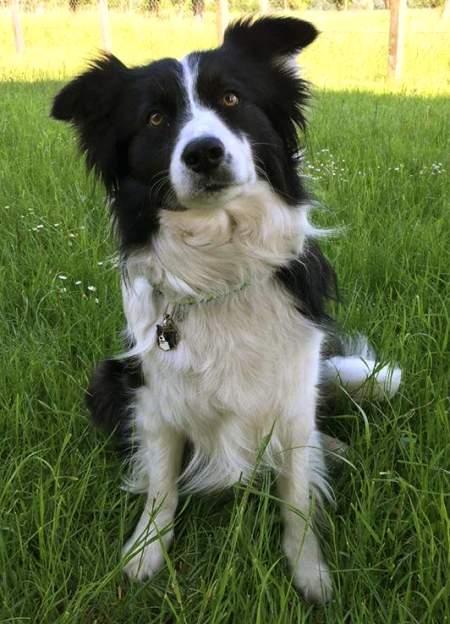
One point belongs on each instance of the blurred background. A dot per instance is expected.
(54, 38)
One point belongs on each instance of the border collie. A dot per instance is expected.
(224, 285)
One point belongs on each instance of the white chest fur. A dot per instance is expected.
(247, 362)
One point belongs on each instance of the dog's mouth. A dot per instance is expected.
(213, 191)
(204, 195)
(215, 187)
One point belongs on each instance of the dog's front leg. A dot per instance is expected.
(160, 452)
(302, 457)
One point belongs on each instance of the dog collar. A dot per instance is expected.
(190, 300)
(167, 332)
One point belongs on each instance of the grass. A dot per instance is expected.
(379, 163)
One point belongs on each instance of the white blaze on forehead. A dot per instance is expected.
(190, 71)
(201, 121)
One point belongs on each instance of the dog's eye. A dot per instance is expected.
(156, 119)
(230, 99)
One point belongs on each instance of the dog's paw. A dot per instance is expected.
(313, 579)
(310, 573)
(146, 561)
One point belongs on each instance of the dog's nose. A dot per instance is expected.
(203, 155)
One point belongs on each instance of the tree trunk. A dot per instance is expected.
(17, 27)
(221, 17)
(104, 25)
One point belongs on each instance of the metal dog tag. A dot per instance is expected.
(167, 334)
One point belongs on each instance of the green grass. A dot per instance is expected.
(379, 163)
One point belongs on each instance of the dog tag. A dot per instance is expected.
(167, 334)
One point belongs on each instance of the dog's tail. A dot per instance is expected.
(109, 397)
(353, 365)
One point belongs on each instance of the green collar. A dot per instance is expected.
(189, 300)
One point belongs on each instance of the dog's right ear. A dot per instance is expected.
(91, 103)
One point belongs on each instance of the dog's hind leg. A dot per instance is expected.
(157, 466)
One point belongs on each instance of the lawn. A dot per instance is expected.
(379, 163)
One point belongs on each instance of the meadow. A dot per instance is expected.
(377, 159)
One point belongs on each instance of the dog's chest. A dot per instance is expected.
(243, 356)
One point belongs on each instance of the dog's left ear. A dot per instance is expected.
(270, 37)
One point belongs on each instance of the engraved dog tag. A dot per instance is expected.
(167, 334)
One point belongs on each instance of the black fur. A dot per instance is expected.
(270, 37)
(109, 394)
(135, 222)
(312, 281)
(109, 106)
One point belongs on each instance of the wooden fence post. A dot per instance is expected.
(221, 18)
(17, 28)
(396, 36)
(104, 25)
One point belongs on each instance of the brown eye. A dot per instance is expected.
(156, 119)
(230, 99)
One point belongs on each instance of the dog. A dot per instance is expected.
(223, 281)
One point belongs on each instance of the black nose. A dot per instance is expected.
(203, 155)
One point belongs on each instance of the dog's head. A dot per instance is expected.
(196, 133)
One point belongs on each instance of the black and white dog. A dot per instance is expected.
(224, 286)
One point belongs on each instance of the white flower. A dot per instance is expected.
(91, 288)
(62, 277)
(78, 282)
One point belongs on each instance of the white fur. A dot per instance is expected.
(247, 366)
(360, 373)
(200, 122)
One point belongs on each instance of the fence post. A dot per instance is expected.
(396, 35)
(221, 18)
(17, 28)
(104, 25)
